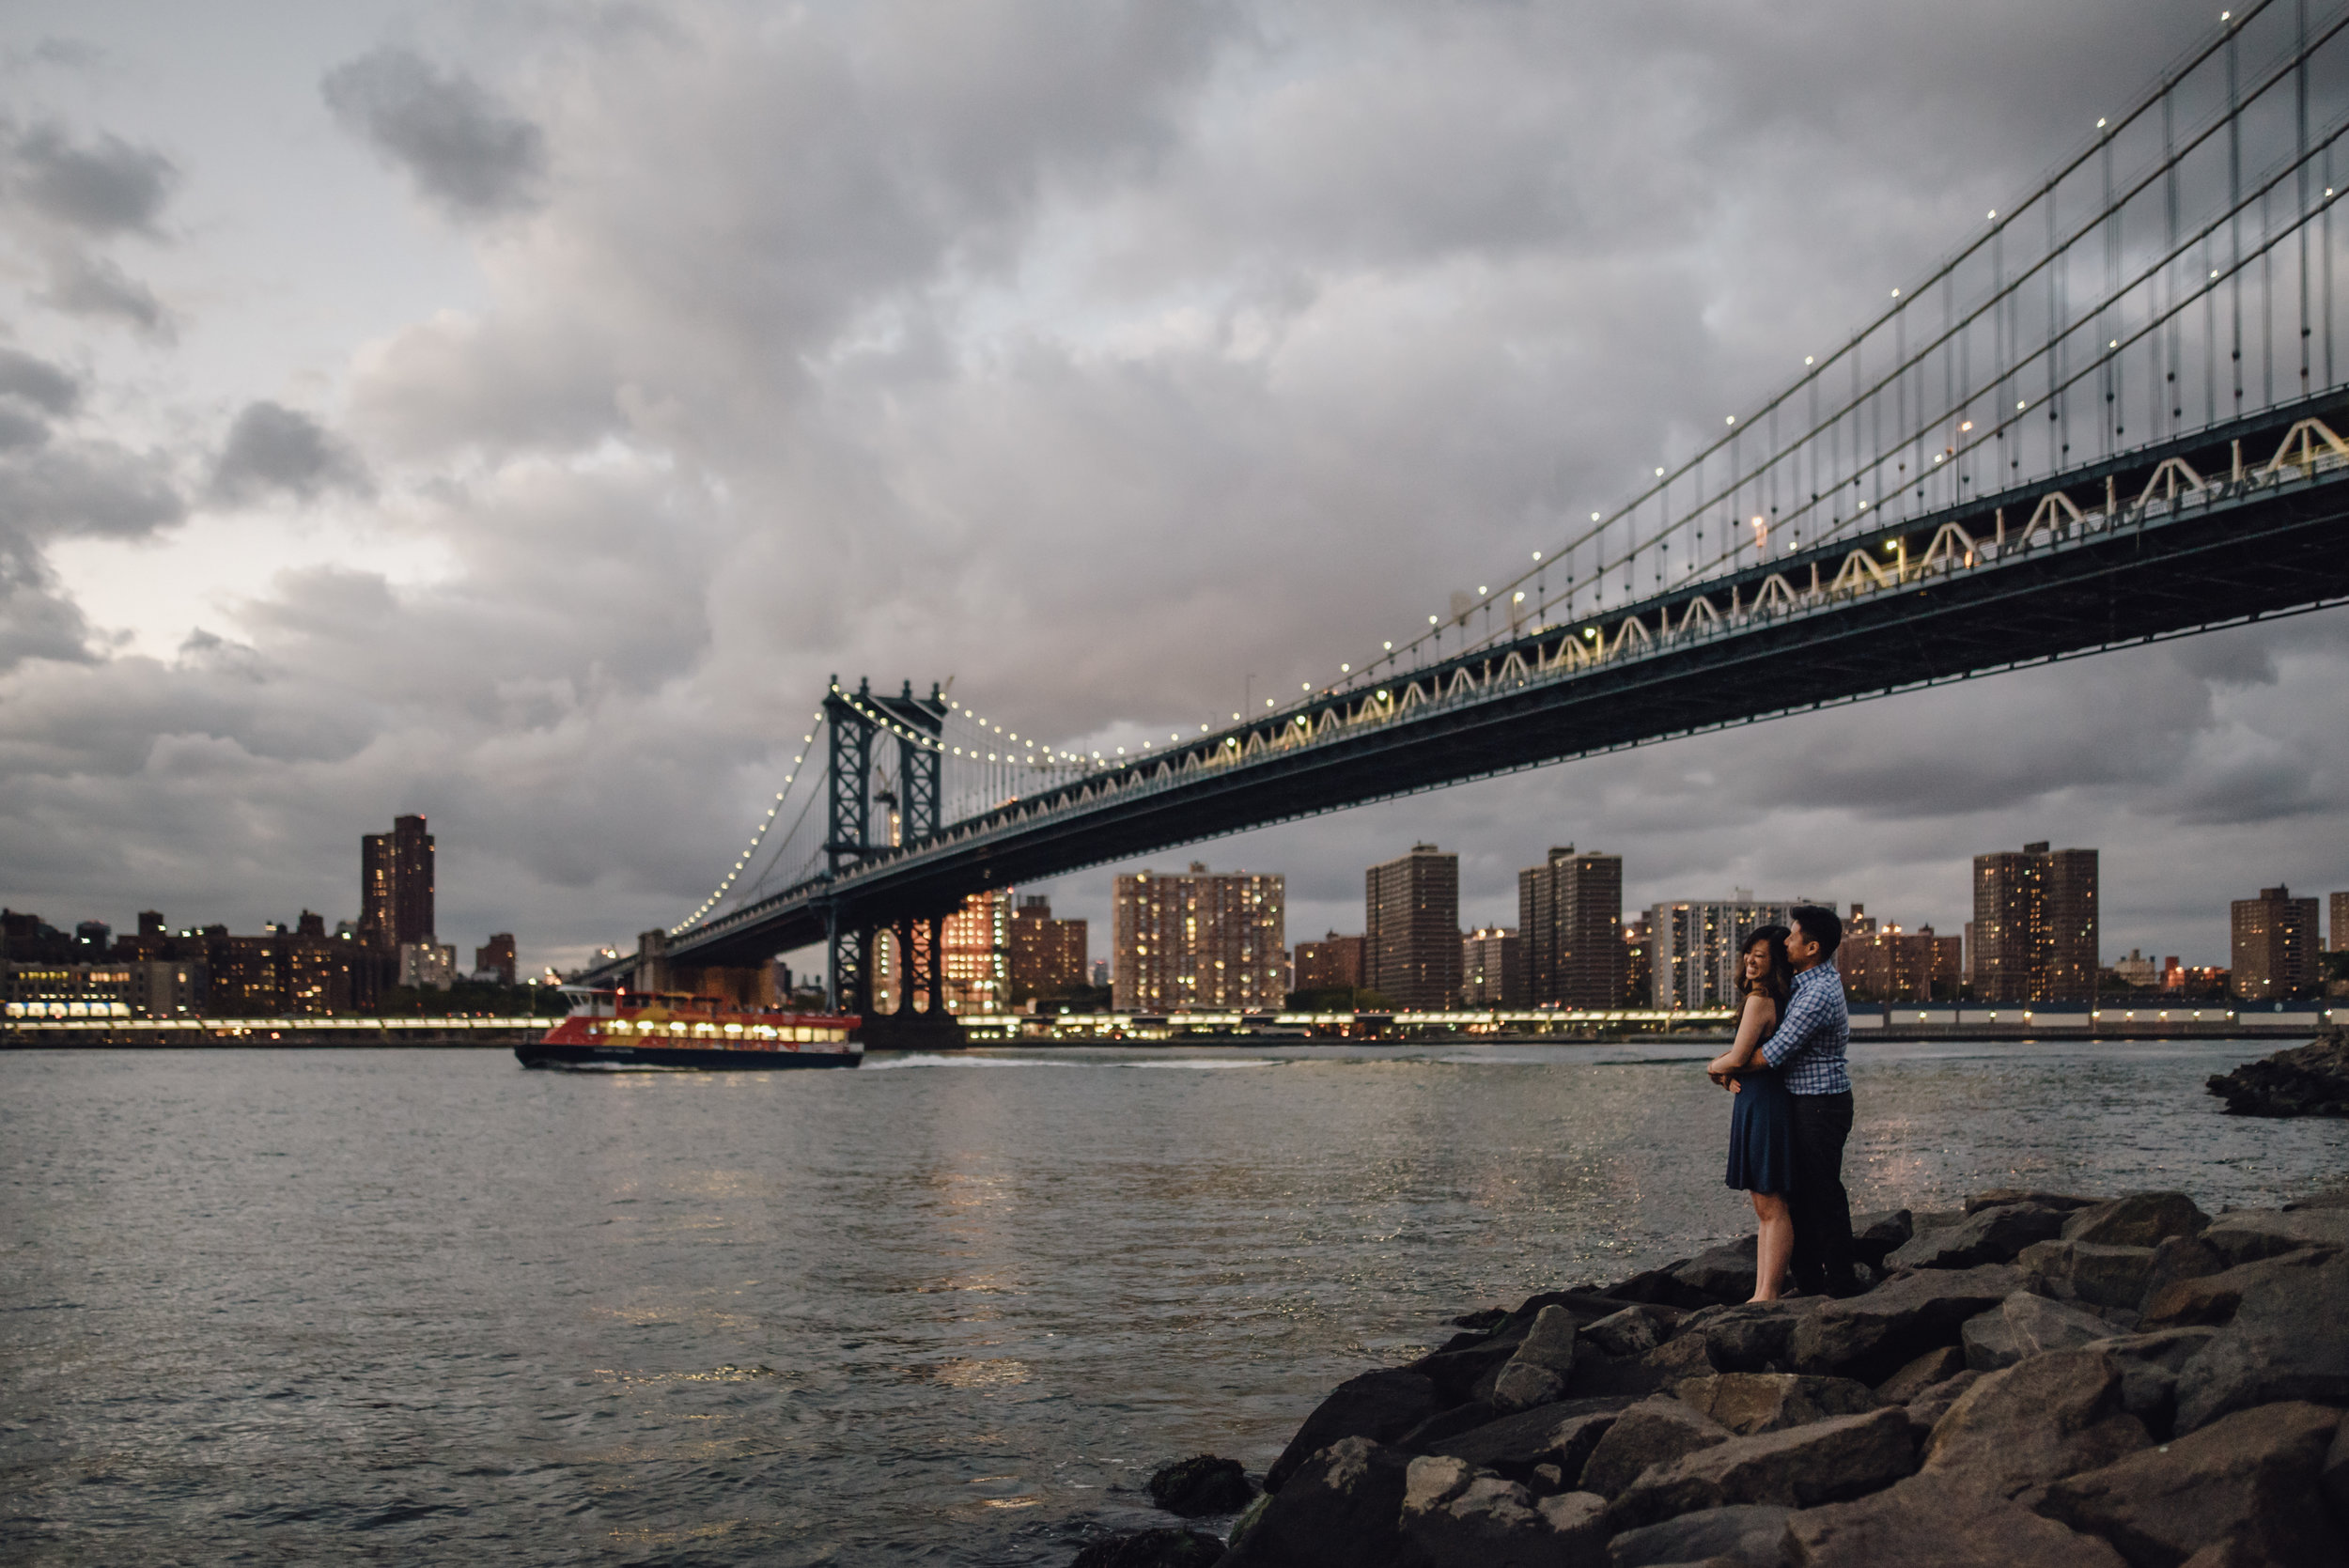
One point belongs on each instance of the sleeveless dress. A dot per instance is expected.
(1762, 1132)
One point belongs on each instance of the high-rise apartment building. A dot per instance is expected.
(2035, 932)
(975, 948)
(1332, 964)
(2275, 946)
(395, 885)
(1411, 929)
(2340, 922)
(1695, 947)
(1884, 963)
(496, 960)
(1638, 962)
(1492, 967)
(1198, 940)
(1570, 912)
(1047, 956)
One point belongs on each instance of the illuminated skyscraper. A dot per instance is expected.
(1411, 929)
(1199, 940)
(1570, 913)
(395, 885)
(2035, 927)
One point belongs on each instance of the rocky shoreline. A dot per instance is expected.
(2036, 1378)
(2306, 1080)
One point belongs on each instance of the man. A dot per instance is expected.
(1810, 1049)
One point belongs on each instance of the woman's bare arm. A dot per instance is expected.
(1753, 1025)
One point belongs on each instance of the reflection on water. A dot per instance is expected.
(423, 1305)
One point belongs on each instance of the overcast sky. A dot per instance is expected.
(514, 413)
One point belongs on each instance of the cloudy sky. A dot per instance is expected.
(513, 412)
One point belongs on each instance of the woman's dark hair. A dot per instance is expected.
(1778, 980)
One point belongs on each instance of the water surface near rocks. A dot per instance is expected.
(423, 1305)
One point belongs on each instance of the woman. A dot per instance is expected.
(1761, 1122)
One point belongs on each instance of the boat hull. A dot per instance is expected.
(608, 1057)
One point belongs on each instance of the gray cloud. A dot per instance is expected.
(37, 382)
(467, 152)
(102, 188)
(275, 448)
(81, 284)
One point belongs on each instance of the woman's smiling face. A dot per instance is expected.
(1757, 960)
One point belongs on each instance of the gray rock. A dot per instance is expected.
(1936, 1365)
(1870, 1337)
(2246, 1481)
(1799, 1468)
(1515, 1446)
(1724, 1273)
(1749, 1336)
(2211, 1299)
(1746, 1533)
(1441, 1427)
(1986, 1236)
(1685, 1354)
(2087, 1271)
(2178, 1259)
(1549, 1344)
(1752, 1401)
(2247, 1235)
(2139, 1219)
(1926, 1519)
(1203, 1486)
(1874, 1235)
(2288, 1339)
(1633, 1331)
(1521, 1386)
(1459, 1516)
(1381, 1406)
(1337, 1509)
(1925, 1411)
(2052, 1416)
(2000, 1197)
(2149, 1371)
(2023, 1326)
(1651, 1433)
(1153, 1549)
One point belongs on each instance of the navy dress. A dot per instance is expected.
(1762, 1132)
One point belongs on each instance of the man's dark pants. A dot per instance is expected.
(1822, 1211)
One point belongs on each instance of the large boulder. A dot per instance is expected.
(1925, 1411)
(1870, 1337)
(1986, 1236)
(1199, 1486)
(1799, 1468)
(2248, 1482)
(1748, 1336)
(1938, 1365)
(1153, 1549)
(2149, 1371)
(1563, 1434)
(1650, 1433)
(1875, 1236)
(2052, 1416)
(2213, 1299)
(1928, 1519)
(2306, 1080)
(2089, 1271)
(1662, 1287)
(1752, 1401)
(1536, 1373)
(1459, 1516)
(1746, 1533)
(2178, 1259)
(1724, 1273)
(2139, 1219)
(2026, 1325)
(1635, 1331)
(1381, 1406)
(1339, 1508)
(2288, 1339)
(2247, 1235)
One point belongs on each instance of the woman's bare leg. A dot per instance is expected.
(1774, 1247)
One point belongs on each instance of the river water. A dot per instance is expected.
(423, 1305)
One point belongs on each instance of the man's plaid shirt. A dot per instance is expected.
(1814, 1037)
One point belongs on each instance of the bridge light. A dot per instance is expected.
(1537, 554)
(2100, 125)
(1994, 211)
(1896, 293)
(1966, 424)
(1389, 646)
(1589, 632)
(1346, 669)
(1659, 474)
(2021, 406)
(1808, 360)
(1595, 515)
(2114, 344)
(1482, 590)
(1731, 420)
(1267, 701)
(1431, 620)
(1518, 598)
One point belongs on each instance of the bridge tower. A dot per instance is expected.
(909, 799)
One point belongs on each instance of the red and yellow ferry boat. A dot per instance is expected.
(621, 1030)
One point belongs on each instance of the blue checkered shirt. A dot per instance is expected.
(1814, 1037)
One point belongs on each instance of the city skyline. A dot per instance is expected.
(390, 469)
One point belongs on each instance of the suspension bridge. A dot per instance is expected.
(2112, 416)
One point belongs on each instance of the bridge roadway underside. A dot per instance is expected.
(2263, 551)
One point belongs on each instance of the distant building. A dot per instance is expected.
(396, 881)
(62, 990)
(2137, 970)
(1198, 941)
(1570, 912)
(2340, 922)
(1492, 967)
(2035, 933)
(494, 960)
(1332, 964)
(975, 944)
(428, 966)
(1696, 946)
(2275, 946)
(1638, 962)
(1047, 956)
(1411, 929)
(1101, 974)
(1884, 963)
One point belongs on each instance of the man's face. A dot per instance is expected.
(1800, 948)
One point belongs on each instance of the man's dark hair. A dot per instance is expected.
(1820, 924)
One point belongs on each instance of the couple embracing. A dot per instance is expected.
(1793, 1105)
